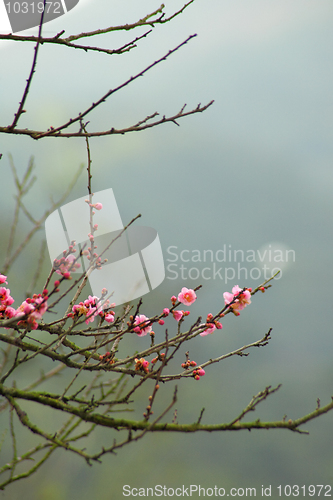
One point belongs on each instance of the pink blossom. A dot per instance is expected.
(98, 206)
(109, 318)
(33, 308)
(3, 279)
(80, 309)
(5, 298)
(26, 307)
(166, 311)
(94, 303)
(145, 364)
(90, 308)
(10, 312)
(40, 304)
(66, 265)
(187, 296)
(228, 297)
(243, 299)
(178, 315)
(200, 372)
(144, 327)
(210, 328)
(141, 364)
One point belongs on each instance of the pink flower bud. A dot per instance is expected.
(178, 315)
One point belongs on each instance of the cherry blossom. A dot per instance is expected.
(210, 327)
(5, 298)
(187, 296)
(243, 299)
(33, 308)
(141, 364)
(90, 308)
(178, 315)
(144, 328)
(3, 279)
(109, 317)
(66, 265)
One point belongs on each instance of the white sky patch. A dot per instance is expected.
(5, 26)
(259, 21)
(276, 255)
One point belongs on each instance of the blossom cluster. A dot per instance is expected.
(67, 264)
(198, 372)
(91, 308)
(211, 325)
(142, 325)
(107, 358)
(238, 299)
(30, 310)
(141, 364)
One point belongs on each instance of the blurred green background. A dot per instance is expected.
(254, 170)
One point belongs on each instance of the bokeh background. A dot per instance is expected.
(254, 170)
